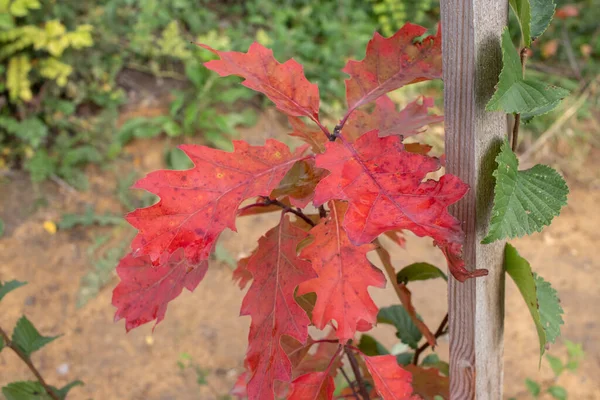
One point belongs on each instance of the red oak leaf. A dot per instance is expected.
(391, 381)
(196, 205)
(240, 387)
(408, 122)
(344, 274)
(276, 271)
(145, 290)
(314, 137)
(299, 183)
(428, 383)
(392, 63)
(386, 189)
(284, 84)
(313, 386)
(241, 275)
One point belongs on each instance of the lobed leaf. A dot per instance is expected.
(344, 275)
(299, 183)
(313, 386)
(391, 381)
(27, 338)
(145, 290)
(398, 317)
(276, 271)
(386, 189)
(539, 296)
(314, 137)
(7, 287)
(196, 205)
(524, 201)
(284, 84)
(392, 63)
(514, 93)
(428, 383)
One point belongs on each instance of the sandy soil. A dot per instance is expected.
(143, 364)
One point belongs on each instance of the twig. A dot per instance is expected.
(441, 330)
(285, 208)
(515, 133)
(8, 343)
(350, 383)
(572, 110)
(356, 370)
(389, 268)
(322, 212)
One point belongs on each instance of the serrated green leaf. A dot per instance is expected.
(405, 358)
(522, 10)
(25, 390)
(524, 201)
(420, 271)
(406, 330)
(62, 392)
(514, 93)
(555, 363)
(549, 307)
(9, 286)
(538, 297)
(371, 347)
(533, 387)
(542, 12)
(558, 392)
(27, 338)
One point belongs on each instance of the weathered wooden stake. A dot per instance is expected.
(472, 54)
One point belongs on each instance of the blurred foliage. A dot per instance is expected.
(392, 14)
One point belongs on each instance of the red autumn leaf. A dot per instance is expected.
(386, 189)
(391, 381)
(344, 274)
(240, 387)
(314, 137)
(196, 205)
(260, 207)
(276, 271)
(392, 63)
(241, 275)
(299, 183)
(428, 383)
(408, 122)
(313, 386)
(145, 290)
(284, 84)
(321, 359)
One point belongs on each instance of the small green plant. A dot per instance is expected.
(24, 341)
(538, 389)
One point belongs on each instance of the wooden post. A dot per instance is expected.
(472, 59)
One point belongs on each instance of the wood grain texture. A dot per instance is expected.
(472, 62)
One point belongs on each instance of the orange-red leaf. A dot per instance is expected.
(196, 205)
(428, 383)
(386, 189)
(314, 137)
(392, 63)
(284, 84)
(276, 271)
(241, 275)
(299, 183)
(145, 290)
(344, 275)
(313, 386)
(391, 381)
(408, 122)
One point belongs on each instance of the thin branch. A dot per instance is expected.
(8, 343)
(286, 209)
(350, 383)
(322, 212)
(389, 268)
(515, 133)
(441, 330)
(362, 388)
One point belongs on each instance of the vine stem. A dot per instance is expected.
(515, 132)
(8, 343)
(356, 370)
(441, 330)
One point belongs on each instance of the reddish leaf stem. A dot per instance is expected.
(8, 343)
(350, 383)
(441, 330)
(267, 202)
(356, 369)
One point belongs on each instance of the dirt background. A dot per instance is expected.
(143, 364)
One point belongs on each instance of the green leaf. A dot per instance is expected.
(9, 286)
(420, 271)
(397, 316)
(1, 227)
(176, 159)
(25, 390)
(405, 358)
(542, 12)
(537, 297)
(549, 307)
(371, 347)
(558, 392)
(533, 387)
(514, 93)
(575, 352)
(522, 10)
(65, 389)
(524, 201)
(556, 364)
(27, 338)
(433, 360)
